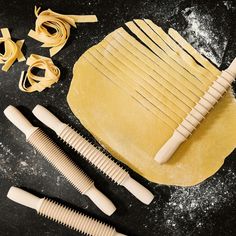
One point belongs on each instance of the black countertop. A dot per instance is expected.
(206, 209)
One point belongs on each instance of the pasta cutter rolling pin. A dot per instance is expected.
(61, 214)
(200, 110)
(54, 155)
(93, 155)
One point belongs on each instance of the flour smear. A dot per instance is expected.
(13, 165)
(198, 202)
(188, 210)
(203, 36)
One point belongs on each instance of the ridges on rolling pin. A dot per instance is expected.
(200, 110)
(61, 214)
(38, 139)
(93, 155)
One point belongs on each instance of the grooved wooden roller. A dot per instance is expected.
(61, 214)
(196, 115)
(93, 155)
(54, 155)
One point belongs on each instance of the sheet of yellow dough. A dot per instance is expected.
(133, 135)
(131, 121)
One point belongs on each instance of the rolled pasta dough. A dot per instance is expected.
(124, 124)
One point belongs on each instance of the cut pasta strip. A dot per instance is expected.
(5, 33)
(20, 56)
(180, 51)
(39, 83)
(60, 24)
(129, 70)
(159, 66)
(193, 52)
(12, 50)
(200, 73)
(145, 89)
(188, 79)
(147, 72)
(140, 93)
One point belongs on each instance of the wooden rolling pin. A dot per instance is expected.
(98, 159)
(62, 214)
(54, 155)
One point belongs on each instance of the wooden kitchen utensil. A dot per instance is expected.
(98, 159)
(62, 214)
(55, 156)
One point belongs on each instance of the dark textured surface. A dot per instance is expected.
(206, 209)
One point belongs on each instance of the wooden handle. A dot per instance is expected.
(138, 190)
(24, 198)
(19, 120)
(168, 149)
(100, 200)
(46, 117)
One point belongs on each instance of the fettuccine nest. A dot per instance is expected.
(48, 21)
(12, 50)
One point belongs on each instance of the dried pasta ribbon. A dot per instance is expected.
(39, 83)
(12, 50)
(60, 24)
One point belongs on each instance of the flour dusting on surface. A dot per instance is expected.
(14, 165)
(195, 204)
(6, 149)
(23, 163)
(201, 200)
(59, 180)
(201, 33)
(228, 4)
(5, 167)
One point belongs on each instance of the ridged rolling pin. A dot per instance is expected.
(93, 155)
(200, 110)
(54, 155)
(62, 214)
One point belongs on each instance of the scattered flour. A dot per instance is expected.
(195, 204)
(228, 4)
(58, 181)
(14, 165)
(5, 168)
(23, 163)
(6, 150)
(201, 33)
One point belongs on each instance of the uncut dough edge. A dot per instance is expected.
(177, 171)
